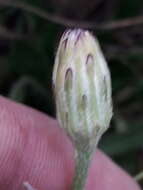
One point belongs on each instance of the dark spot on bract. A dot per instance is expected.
(65, 42)
(84, 101)
(68, 79)
(89, 59)
(105, 87)
(68, 73)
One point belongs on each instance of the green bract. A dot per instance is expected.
(82, 86)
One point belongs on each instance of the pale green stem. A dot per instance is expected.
(83, 158)
(139, 176)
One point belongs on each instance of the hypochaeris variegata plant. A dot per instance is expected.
(82, 88)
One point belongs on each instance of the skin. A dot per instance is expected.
(34, 149)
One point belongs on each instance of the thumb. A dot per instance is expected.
(34, 149)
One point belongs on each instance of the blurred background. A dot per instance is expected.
(29, 34)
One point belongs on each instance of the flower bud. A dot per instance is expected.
(82, 86)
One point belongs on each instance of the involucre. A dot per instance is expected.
(82, 86)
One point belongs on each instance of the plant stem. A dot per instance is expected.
(139, 176)
(83, 159)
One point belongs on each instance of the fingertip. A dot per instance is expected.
(33, 148)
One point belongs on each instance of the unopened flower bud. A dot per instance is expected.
(82, 86)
